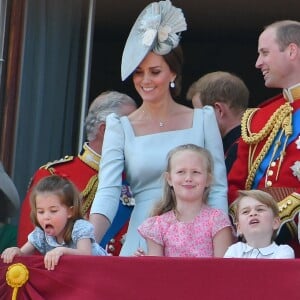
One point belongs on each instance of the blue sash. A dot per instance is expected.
(266, 161)
(121, 218)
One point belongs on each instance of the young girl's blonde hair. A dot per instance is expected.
(168, 200)
(261, 196)
(68, 195)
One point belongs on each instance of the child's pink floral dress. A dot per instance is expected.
(186, 239)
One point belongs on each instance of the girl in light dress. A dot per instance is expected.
(60, 228)
(182, 224)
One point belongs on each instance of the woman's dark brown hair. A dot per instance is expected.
(174, 60)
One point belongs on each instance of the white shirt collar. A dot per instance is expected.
(264, 251)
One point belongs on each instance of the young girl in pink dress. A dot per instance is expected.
(182, 224)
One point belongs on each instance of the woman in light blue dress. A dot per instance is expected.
(140, 142)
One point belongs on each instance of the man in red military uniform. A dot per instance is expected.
(82, 170)
(269, 150)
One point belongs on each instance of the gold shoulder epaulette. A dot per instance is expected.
(51, 164)
(289, 207)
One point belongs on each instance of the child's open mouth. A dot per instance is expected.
(49, 229)
(254, 221)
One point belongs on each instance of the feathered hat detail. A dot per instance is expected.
(158, 29)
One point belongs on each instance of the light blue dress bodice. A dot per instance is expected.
(144, 160)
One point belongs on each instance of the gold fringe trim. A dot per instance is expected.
(281, 119)
(89, 193)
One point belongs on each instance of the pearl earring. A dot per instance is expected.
(172, 84)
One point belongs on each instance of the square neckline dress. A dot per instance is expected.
(144, 160)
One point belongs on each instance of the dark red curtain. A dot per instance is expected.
(88, 278)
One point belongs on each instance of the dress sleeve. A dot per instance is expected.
(110, 170)
(150, 229)
(219, 221)
(83, 229)
(37, 239)
(213, 142)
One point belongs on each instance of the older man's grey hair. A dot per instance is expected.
(105, 104)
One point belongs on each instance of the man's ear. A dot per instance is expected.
(293, 50)
(102, 128)
(219, 108)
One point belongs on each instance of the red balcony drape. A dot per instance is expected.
(89, 278)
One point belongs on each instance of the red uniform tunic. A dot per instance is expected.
(261, 165)
(82, 170)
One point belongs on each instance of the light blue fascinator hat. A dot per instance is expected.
(8, 192)
(157, 29)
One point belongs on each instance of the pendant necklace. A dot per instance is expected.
(160, 123)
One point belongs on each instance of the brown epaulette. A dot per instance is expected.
(63, 160)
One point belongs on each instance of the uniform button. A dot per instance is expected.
(112, 241)
(270, 173)
(111, 248)
(273, 163)
(269, 183)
